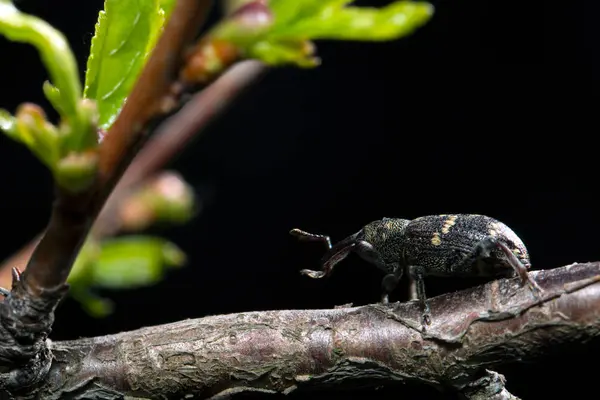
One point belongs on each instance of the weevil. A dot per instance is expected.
(453, 245)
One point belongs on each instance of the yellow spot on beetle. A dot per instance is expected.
(436, 240)
(448, 223)
(493, 232)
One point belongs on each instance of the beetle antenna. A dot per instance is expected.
(302, 235)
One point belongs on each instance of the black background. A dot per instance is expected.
(490, 108)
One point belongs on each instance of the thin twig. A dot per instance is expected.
(472, 331)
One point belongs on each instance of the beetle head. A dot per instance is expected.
(510, 258)
(514, 244)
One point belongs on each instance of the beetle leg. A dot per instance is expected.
(417, 274)
(389, 283)
(412, 288)
(367, 252)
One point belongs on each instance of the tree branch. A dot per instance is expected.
(284, 351)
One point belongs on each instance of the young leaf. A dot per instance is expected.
(54, 51)
(167, 7)
(53, 95)
(124, 34)
(37, 133)
(94, 305)
(286, 38)
(297, 52)
(80, 275)
(77, 130)
(361, 23)
(134, 261)
(287, 12)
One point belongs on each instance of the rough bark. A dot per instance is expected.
(472, 332)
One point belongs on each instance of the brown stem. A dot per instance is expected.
(472, 331)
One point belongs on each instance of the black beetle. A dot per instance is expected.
(467, 245)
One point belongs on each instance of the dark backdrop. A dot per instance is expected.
(490, 108)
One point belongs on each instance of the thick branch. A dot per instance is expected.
(281, 351)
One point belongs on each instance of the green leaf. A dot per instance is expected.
(80, 272)
(54, 51)
(122, 263)
(155, 31)
(359, 23)
(125, 33)
(134, 261)
(77, 130)
(53, 95)
(39, 135)
(287, 12)
(94, 305)
(167, 7)
(287, 37)
(299, 53)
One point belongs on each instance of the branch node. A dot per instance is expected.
(25, 323)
